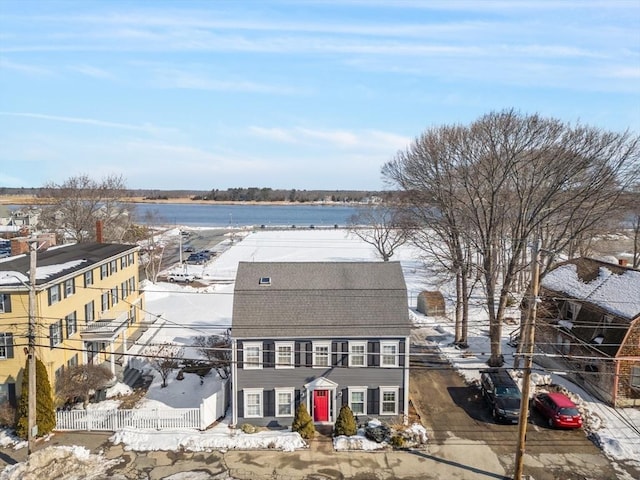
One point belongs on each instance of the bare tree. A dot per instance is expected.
(82, 381)
(164, 358)
(384, 226)
(516, 176)
(217, 350)
(79, 202)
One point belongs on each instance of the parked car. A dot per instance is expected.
(196, 258)
(502, 394)
(189, 249)
(558, 409)
(181, 277)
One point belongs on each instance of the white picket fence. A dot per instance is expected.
(211, 409)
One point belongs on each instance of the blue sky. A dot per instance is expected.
(291, 94)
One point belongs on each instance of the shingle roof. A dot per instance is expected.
(90, 253)
(320, 299)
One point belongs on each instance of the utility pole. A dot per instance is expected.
(528, 358)
(32, 425)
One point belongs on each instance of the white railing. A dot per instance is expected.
(211, 409)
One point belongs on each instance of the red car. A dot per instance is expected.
(558, 409)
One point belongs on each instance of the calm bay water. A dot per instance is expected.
(199, 215)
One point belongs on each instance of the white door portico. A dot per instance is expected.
(322, 396)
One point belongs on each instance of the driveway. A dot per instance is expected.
(462, 431)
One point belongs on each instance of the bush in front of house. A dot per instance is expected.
(248, 428)
(303, 423)
(45, 412)
(345, 423)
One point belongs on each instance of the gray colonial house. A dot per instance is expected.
(322, 333)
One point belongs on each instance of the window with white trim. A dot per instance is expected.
(104, 271)
(284, 402)
(55, 333)
(284, 354)
(252, 402)
(252, 355)
(388, 400)
(357, 354)
(321, 354)
(73, 361)
(72, 324)
(69, 287)
(6, 345)
(113, 267)
(88, 278)
(105, 301)
(89, 312)
(55, 294)
(114, 296)
(5, 303)
(358, 400)
(389, 354)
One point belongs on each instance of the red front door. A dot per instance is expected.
(321, 405)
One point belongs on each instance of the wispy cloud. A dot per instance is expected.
(6, 64)
(367, 139)
(91, 71)
(148, 128)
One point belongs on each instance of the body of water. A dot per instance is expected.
(199, 215)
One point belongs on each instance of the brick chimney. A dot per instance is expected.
(99, 237)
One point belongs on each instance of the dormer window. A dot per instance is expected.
(264, 281)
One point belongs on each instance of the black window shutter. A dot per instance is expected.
(373, 401)
(401, 358)
(12, 394)
(334, 354)
(344, 361)
(8, 342)
(374, 359)
(345, 396)
(269, 403)
(49, 295)
(51, 335)
(269, 354)
(296, 360)
(7, 303)
(240, 400)
(309, 359)
(240, 354)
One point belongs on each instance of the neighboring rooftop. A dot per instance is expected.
(57, 262)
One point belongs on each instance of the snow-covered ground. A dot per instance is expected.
(185, 312)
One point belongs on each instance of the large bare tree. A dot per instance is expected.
(515, 177)
(77, 204)
(384, 226)
(82, 381)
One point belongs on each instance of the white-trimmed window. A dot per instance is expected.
(105, 301)
(389, 354)
(321, 354)
(72, 324)
(252, 355)
(357, 354)
(388, 400)
(104, 271)
(284, 355)
(5, 303)
(89, 312)
(284, 402)
(358, 400)
(572, 310)
(55, 294)
(114, 296)
(69, 287)
(252, 402)
(88, 278)
(6, 345)
(635, 377)
(113, 267)
(55, 333)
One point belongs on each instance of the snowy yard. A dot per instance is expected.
(186, 312)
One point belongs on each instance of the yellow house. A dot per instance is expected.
(88, 307)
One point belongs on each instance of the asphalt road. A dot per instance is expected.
(455, 414)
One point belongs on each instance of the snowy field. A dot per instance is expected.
(185, 312)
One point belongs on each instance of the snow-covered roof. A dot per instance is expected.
(612, 288)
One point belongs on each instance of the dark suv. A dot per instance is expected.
(501, 393)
